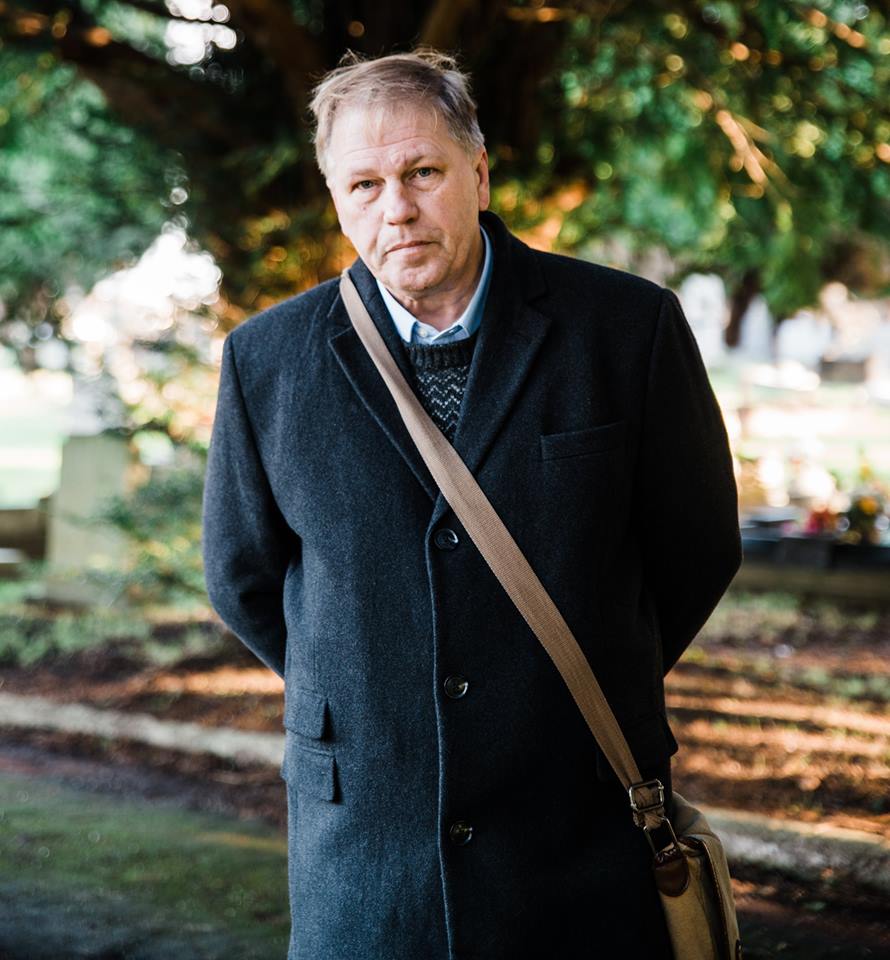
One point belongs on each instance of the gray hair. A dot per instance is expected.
(424, 76)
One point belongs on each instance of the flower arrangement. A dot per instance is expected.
(820, 520)
(866, 518)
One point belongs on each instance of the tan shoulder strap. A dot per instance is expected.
(506, 560)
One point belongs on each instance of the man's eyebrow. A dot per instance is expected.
(429, 156)
(413, 161)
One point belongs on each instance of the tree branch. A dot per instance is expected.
(271, 27)
(442, 24)
(144, 91)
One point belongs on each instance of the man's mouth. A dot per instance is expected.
(408, 245)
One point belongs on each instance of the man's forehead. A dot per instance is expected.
(392, 134)
(396, 152)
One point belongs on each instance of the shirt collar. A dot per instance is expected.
(465, 325)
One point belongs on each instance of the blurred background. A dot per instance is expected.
(157, 187)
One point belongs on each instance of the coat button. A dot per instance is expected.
(445, 539)
(456, 687)
(460, 832)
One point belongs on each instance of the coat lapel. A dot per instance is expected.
(509, 337)
(363, 376)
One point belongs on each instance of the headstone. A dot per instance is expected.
(843, 369)
(93, 469)
(803, 338)
(855, 323)
(756, 332)
(878, 376)
(703, 297)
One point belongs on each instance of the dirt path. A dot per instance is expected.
(802, 736)
(182, 736)
(128, 769)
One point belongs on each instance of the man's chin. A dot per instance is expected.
(411, 283)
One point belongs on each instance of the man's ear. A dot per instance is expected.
(483, 186)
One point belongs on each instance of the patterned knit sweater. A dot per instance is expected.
(440, 375)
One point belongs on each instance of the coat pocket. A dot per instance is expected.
(575, 443)
(651, 742)
(306, 712)
(308, 770)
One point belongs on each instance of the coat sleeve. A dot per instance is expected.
(686, 493)
(246, 543)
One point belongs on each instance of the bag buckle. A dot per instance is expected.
(642, 808)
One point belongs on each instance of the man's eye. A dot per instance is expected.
(425, 172)
(364, 185)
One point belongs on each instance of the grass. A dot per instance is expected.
(30, 632)
(757, 635)
(186, 871)
(772, 617)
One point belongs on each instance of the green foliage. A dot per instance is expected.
(162, 520)
(80, 191)
(769, 618)
(32, 632)
(746, 138)
(737, 136)
(755, 635)
(29, 634)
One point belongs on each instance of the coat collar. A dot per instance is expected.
(509, 337)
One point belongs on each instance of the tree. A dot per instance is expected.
(748, 138)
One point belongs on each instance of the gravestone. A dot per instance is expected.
(756, 333)
(803, 338)
(93, 469)
(855, 323)
(878, 377)
(703, 297)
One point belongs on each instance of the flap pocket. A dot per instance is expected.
(306, 712)
(651, 742)
(308, 770)
(574, 443)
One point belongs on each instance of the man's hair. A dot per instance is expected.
(423, 77)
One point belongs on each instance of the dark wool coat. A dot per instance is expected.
(446, 799)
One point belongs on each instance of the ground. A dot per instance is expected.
(779, 709)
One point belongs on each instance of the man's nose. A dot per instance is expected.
(399, 207)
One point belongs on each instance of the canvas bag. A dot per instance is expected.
(690, 866)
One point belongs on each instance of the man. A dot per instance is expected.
(446, 799)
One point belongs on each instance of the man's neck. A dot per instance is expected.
(442, 308)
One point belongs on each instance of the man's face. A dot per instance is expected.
(408, 196)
